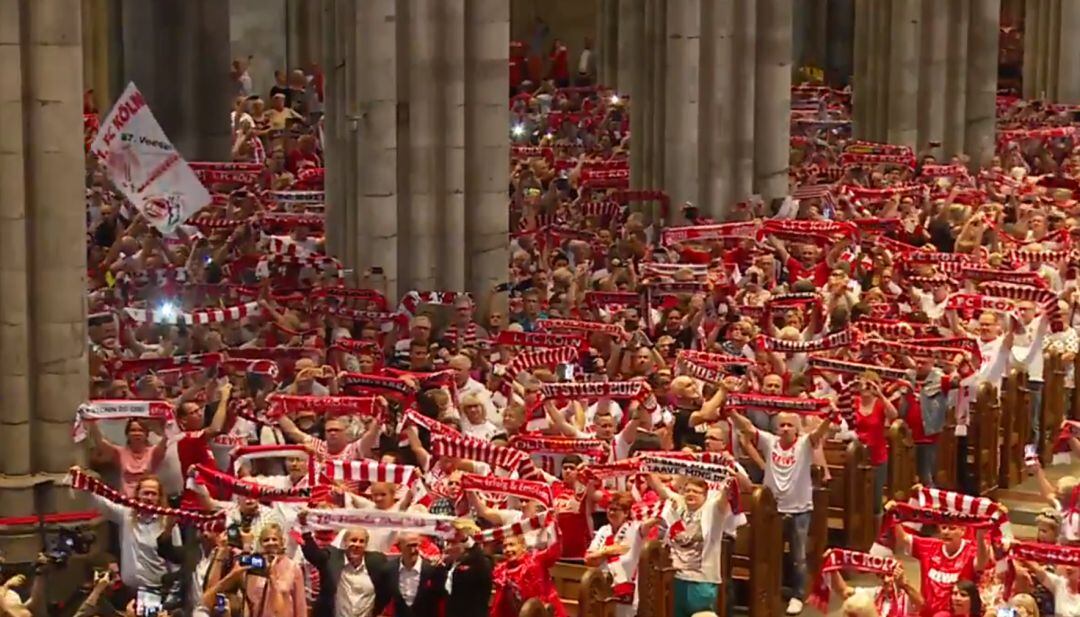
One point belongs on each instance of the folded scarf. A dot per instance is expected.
(523, 489)
(369, 471)
(119, 409)
(839, 559)
(702, 233)
(545, 444)
(574, 325)
(591, 390)
(230, 484)
(856, 368)
(542, 339)
(476, 450)
(347, 518)
(78, 480)
(365, 406)
(831, 341)
(776, 404)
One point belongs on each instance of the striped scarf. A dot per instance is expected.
(78, 480)
(825, 343)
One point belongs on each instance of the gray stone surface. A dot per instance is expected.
(772, 98)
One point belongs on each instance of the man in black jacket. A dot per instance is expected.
(417, 586)
(470, 573)
(352, 575)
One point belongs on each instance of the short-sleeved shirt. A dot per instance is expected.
(787, 472)
(941, 571)
(1066, 602)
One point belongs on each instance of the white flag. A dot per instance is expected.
(143, 164)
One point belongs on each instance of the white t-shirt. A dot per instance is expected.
(787, 472)
(1066, 603)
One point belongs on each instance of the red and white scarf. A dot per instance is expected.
(838, 559)
(703, 233)
(78, 480)
(591, 390)
(523, 489)
(776, 404)
(119, 409)
(547, 444)
(195, 318)
(574, 325)
(369, 471)
(542, 339)
(476, 450)
(825, 343)
(230, 484)
(365, 406)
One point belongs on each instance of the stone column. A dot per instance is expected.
(717, 114)
(742, 98)
(631, 78)
(681, 87)
(657, 57)
(863, 101)
(450, 75)
(879, 58)
(982, 81)
(418, 257)
(43, 360)
(956, 77)
(839, 42)
(645, 105)
(100, 53)
(303, 27)
(607, 42)
(487, 147)
(772, 98)
(1051, 51)
(189, 42)
(932, 68)
(904, 72)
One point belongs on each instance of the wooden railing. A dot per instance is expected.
(1016, 406)
(1052, 412)
(755, 558)
(656, 581)
(984, 449)
(533, 607)
(851, 485)
(595, 598)
(946, 459)
(902, 471)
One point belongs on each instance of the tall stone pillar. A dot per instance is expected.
(956, 67)
(101, 53)
(43, 360)
(982, 73)
(657, 57)
(904, 72)
(681, 86)
(863, 92)
(1051, 50)
(932, 69)
(631, 79)
(188, 42)
(419, 154)
(772, 94)
(716, 108)
(607, 42)
(303, 23)
(487, 149)
(745, 41)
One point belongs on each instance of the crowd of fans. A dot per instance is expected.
(269, 441)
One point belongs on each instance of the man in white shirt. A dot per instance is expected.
(788, 459)
(418, 586)
(353, 580)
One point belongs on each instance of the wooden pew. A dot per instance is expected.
(568, 577)
(533, 607)
(819, 523)
(946, 458)
(902, 470)
(1053, 405)
(984, 449)
(851, 513)
(656, 581)
(595, 598)
(1014, 434)
(1074, 409)
(754, 560)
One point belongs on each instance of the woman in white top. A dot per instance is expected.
(616, 547)
(141, 567)
(1065, 585)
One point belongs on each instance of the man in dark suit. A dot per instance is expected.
(417, 587)
(470, 573)
(352, 580)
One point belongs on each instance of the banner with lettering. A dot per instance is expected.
(144, 165)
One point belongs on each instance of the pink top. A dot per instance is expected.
(287, 580)
(133, 467)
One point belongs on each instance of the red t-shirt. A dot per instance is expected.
(573, 521)
(941, 572)
(870, 429)
(193, 448)
(297, 158)
(819, 273)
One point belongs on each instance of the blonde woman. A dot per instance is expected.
(859, 605)
(281, 592)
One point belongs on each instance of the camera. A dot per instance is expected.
(220, 604)
(148, 603)
(256, 563)
(69, 542)
(232, 535)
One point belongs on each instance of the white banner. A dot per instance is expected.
(143, 164)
